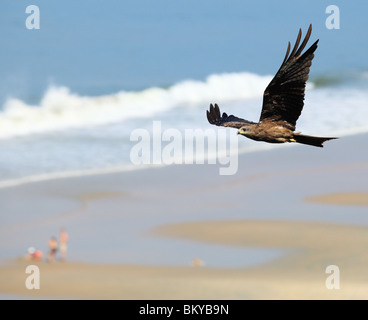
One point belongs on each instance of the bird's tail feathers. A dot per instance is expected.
(310, 140)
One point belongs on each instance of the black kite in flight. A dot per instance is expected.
(283, 102)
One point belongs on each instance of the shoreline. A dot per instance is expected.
(40, 178)
(113, 222)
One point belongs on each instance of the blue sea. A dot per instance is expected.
(72, 91)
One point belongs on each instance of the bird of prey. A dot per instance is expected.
(283, 101)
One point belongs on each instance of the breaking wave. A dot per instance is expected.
(60, 108)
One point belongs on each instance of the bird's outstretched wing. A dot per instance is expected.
(214, 117)
(283, 98)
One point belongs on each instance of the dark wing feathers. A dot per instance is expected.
(283, 98)
(214, 117)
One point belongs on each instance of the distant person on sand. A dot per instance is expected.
(34, 254)
(63, 244)
(53, 246)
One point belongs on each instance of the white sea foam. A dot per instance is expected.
(61, 109)
(97, 148)
(67, 174)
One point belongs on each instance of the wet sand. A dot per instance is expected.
(299, 275)
(310, 203)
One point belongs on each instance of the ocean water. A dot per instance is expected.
(73, 91)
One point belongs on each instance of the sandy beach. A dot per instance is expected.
(106, 120)
(134, 235)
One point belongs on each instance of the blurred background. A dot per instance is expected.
(73, 91)
(95, 71)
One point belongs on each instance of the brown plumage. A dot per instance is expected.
(283, 101)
